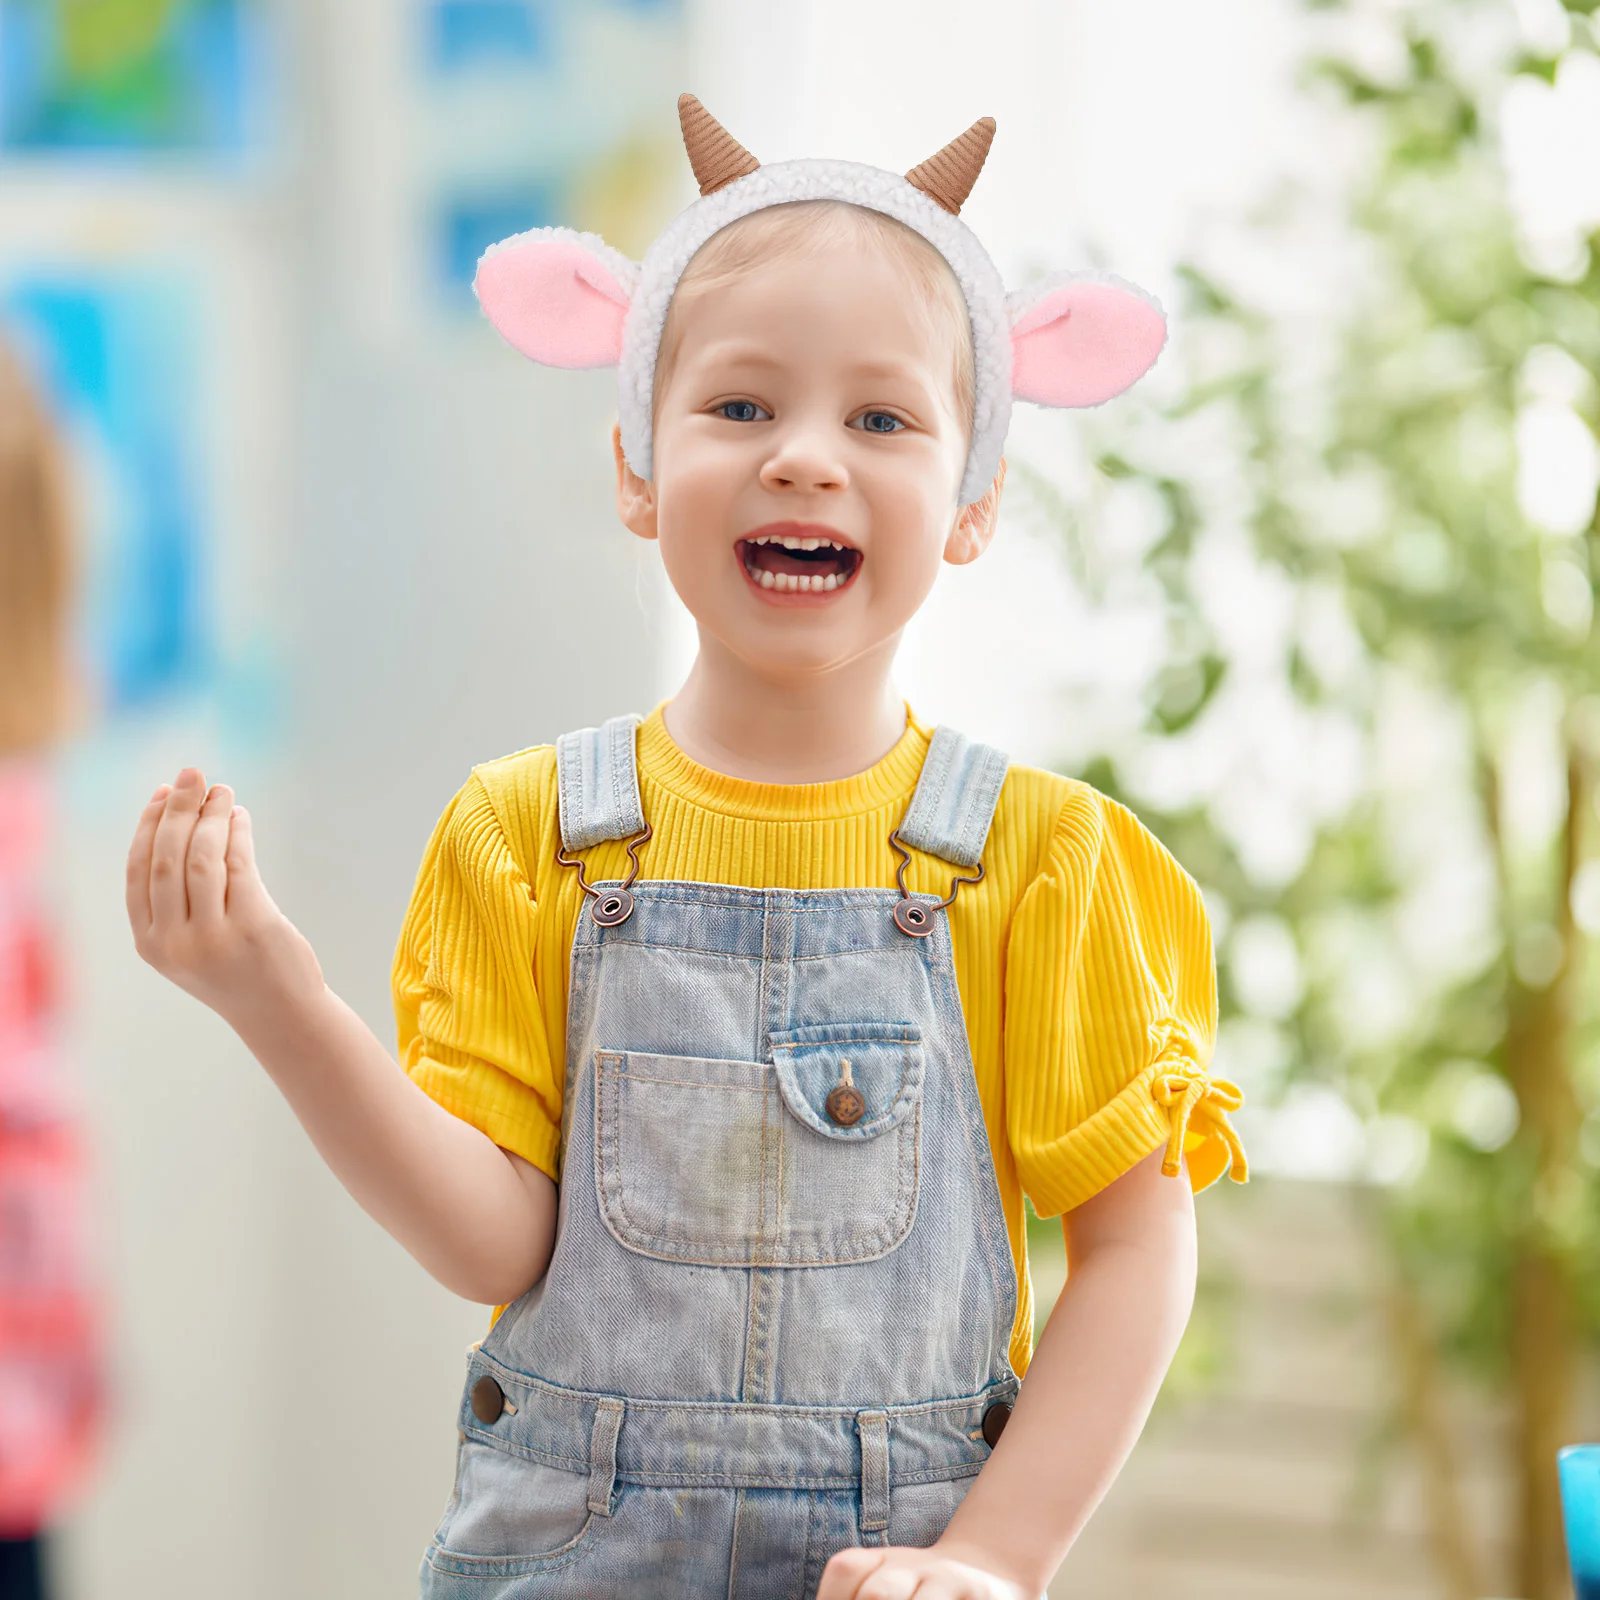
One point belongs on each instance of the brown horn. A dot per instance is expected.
(947, 178)
(716, 156)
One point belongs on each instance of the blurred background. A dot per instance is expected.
(1317, 600)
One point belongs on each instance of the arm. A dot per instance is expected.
(1093, 1380)
(479, 1219)
(1095, 1376)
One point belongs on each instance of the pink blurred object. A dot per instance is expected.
(50, 1385)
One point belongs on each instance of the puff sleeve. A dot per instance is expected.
(1111, 1015)
(471, 1031)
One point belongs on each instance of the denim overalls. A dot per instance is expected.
(778, 1316)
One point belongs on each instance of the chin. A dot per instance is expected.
(792, 658)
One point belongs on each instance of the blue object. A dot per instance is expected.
(115, 353)
(465, 33)
(184, 77)
(1580, 1507)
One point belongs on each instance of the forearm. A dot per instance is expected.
(451, 1196)
(480, 1220)
(1094, 1377)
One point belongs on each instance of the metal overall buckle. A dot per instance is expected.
(915, 917)
(611, 906)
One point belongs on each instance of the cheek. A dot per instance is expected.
(693, 476)
(918, 509)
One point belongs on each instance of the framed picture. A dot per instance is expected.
(178, 77)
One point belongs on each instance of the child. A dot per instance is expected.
(794, 995)
(49, 1347)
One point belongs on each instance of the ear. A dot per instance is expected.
(1080, 340)
(636, 496)
(975, 524)
(557, 296)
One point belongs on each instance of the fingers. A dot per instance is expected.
(846, 1572)
(897, 1584)
(244, 878)
(896, 1573)
(205, 869)
(169, 902)
(144, 838)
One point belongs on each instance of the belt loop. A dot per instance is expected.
(873, 1426)
(603, 1455)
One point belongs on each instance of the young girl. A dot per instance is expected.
(734, 1038)
(49, 1348)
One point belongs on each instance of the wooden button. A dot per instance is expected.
(488, 1401)
(845, 1105)
(994, 1422)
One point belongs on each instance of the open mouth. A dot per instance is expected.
(799, 563)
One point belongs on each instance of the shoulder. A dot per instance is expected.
(1043, 815)
(501, 815)
(1075, 837)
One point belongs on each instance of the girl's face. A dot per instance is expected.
(807, 456)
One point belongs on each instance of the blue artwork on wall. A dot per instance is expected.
(115, 353)
(134, 76)
(545, 112)
(462, 33)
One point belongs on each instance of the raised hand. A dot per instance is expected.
(200, 913)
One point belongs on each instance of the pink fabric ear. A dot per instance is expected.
(1082, 343)
(555, 301)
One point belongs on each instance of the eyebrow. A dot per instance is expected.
(749, 355)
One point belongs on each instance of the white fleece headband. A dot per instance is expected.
(568, 299)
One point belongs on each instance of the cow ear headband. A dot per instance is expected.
(568, 299)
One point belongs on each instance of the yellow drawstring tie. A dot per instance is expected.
(1191, 1096)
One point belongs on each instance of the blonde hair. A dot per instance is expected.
(803, 228)
(37, 572)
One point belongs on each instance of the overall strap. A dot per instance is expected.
(597, 784)
(954, 803)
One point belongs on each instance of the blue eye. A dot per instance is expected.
(881, 422)
(742, 411)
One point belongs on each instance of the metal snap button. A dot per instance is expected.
(912, 917)
(994, 1422)
(489, 1400)
(845, 1105)
(611, 906)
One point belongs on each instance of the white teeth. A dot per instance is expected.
(831, 581)
(767, 580)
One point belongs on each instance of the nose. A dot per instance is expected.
(801, 460)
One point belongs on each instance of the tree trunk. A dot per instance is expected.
(1544, 1334)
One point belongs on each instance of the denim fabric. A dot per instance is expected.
(763, 1336)
(950, 813)
(598, 795)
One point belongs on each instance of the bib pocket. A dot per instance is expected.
(746, 1164)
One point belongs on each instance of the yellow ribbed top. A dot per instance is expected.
(1084, 957)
